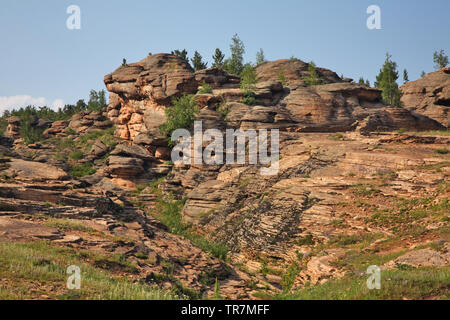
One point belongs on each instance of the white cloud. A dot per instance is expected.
(15, 102)
(58, 103)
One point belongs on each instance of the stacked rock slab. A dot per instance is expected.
(140, 92)
(430, 96)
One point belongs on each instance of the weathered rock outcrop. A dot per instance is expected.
(430, 96)
(346, 106)
(89, 121)
(141, 91)
(12, 130)
(292, 71)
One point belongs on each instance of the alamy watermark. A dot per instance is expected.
(191, 150)
(73, 22)
(374, 20)
(374, 281)
(74, 280)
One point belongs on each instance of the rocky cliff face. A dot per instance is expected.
(430, 96)
(347, 189)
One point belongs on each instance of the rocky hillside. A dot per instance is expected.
(360, 183)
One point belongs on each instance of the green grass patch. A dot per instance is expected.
(77, 155)
(414, 284)
(82, 170)
(364, 189)
(68, 225)
(441, 151)
(168, 211)
(32, 267)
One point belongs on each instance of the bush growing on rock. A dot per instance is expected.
(313, 78)
(206, 88)
(83, 170)
(282, 77)
(248, 78)
(181, 115)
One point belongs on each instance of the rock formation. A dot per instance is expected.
(429, 96)
(141, 91)
(347, 184)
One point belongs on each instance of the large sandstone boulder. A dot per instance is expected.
(430, 96)
(293, 71)
(89, 121)
(35, 171)
(216, 77)
(141, 91)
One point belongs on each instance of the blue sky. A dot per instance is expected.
(43, 62)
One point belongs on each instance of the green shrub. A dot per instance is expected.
(77, 155)
(168, 211)
(249, 98)
(248, 78)
(30, 134)
(181, 115)
(82, 170)
(441, 151)
(281, 77)
(206, 88)
(288, 278)
(222, 108)
(313, 78)
(70, 131)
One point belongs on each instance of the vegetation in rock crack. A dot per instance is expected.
(168, 211)
(248, 78)
(181, 114)
(205, 88)
(312, 78)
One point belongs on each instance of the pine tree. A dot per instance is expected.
(260, 58)
(313, 78)
(405, 76)
(197, 62)
(368, 83)
(423, 74)
(386, 81)
(182, 54)
(440, 60)
(361, 81)
(124, 62)
(218, 59)
(235, 64)
(248, 78)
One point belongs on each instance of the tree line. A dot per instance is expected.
(28, 115)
